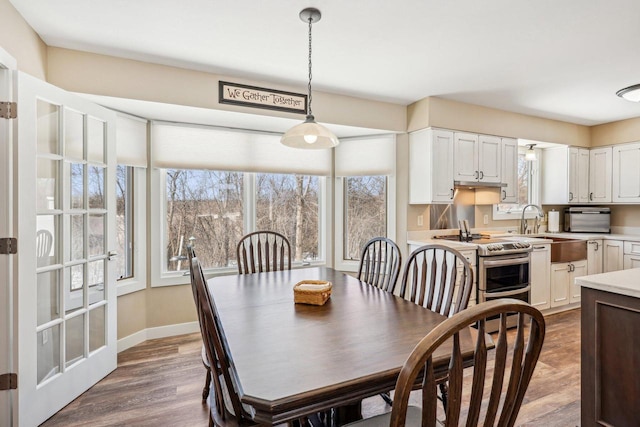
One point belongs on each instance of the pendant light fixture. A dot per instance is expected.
(309, 134)
(530, 154)
(631, 93)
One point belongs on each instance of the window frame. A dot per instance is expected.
(160, 277)
(138, 280)
(340, 262)
(534, 189)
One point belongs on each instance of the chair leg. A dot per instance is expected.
(444, 393)
(207, 384)
(387, 398)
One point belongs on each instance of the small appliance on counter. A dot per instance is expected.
(553, 225)
(587, 219)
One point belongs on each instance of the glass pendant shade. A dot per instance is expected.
(309, 134)
(530, 154)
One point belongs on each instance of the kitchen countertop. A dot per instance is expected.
(623, 282)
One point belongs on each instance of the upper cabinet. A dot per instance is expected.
(431, 166)
(560, 176)
(509, 171)
(477, 158)
(600, 164)
(626, 173)
(573, 175)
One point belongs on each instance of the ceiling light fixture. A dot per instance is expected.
(309, 134)
(530, 154)
(631, 93)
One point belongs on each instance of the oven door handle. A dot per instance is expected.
(508, 261)
(507, 294)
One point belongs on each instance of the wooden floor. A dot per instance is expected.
(159, 383)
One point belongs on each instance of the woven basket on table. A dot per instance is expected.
(314, 292)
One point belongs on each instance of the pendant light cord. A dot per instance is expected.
(309, 109)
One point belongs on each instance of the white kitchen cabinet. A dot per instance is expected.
(430, 166)
(563, 288)
(581, 190)
(613, 255)
(631, 257)
(565, 175)
(631, 261)
(540, 276)
(579, 269)
(594, 256)
(626, 173)
(509, 171)
(477, 158)
(600, 173)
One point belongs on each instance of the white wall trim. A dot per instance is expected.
(157, 332)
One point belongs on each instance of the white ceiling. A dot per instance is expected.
(561, 59)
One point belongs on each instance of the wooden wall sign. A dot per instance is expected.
(259, 97)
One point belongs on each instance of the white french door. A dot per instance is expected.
(66, 294)
(7, 64)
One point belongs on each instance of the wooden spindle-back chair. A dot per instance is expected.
(514, 362)
(263, 251)
(380, 263)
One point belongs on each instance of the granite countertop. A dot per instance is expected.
(623, 282)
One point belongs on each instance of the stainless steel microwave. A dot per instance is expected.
(587, 219)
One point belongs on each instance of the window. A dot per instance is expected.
(124, 221)
(528, 188)
(131, 267)
(365, 195)
(289, 204)
(214, 209)
(365, 207)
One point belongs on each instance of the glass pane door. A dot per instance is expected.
(68, 321)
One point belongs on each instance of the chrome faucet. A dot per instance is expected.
(523, 223)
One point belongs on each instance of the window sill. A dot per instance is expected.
(129, 286)
(178, 278)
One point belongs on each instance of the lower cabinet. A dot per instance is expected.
(594, 256)
(540, 276)
(613, 253)
(631, 261)
(563, 289)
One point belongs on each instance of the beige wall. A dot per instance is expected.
(616, 132)
(124, 78)
(21, 42)
(625, 216)
(132, 313)
(443, 113)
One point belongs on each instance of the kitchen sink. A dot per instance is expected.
(567, 250)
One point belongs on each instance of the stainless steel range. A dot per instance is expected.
(503, 270)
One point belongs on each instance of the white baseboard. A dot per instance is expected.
(157, 332)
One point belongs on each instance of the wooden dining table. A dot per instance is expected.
(290, 360)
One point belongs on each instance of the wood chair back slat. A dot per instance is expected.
(380, 262)
(429, 279)
(263, 251)
(520, 359)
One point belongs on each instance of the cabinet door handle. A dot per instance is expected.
(538, 247)
(452, 193)
(481, 175)
(594, 243)
(476, 174)
(570, 196)
(590, 196)
(504, 194)
(569, 268)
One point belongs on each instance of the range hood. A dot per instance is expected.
(476, 184)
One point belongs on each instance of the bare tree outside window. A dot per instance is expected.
(288, 204)
(208, 206)
(124, 221)
(365, 212)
